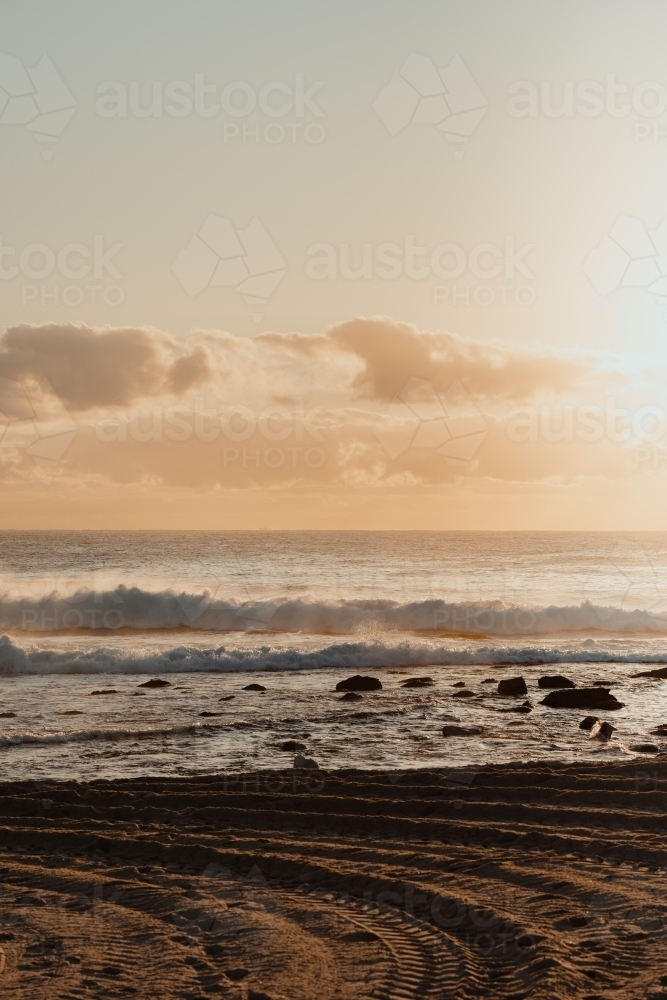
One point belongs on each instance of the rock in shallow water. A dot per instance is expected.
(512, 687)
(254, 687)
(596, 697)
(555, 681)
(155, 682)
(308, 762)
(293, 746)
(359, 683)
(589, 722)
(418, 682)
(461, 730)
(351, 696)
(658, 672)
(644, 748)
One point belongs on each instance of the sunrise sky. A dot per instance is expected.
(333, 266)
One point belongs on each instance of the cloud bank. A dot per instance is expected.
(369, 402)
(111, 366)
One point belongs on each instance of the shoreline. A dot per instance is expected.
(521, 880)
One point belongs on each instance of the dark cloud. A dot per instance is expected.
(89, 368)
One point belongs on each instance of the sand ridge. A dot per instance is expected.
(514, 881)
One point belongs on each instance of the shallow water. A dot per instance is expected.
(161, 731)
(299, 611)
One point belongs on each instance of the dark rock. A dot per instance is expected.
(227, 697)
(351, 696)
(155, 682)
(489, 680)
(71, 711)
(461, 730)
(307, 762)
(594, 697)
(292, 745)
(555, 681)
(254, 687)
(658, 672)
(418, 682)
(522, 709)
(589, 722)
(463, 693)
(359, 683)
(604, 731)
(644, 748)
(7, 715)
(459, 684)
(105, 691)
(209, 715)
(660, 730)
(258, 995)
(512, 687)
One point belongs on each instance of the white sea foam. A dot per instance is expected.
(143, 610)
(17, 661)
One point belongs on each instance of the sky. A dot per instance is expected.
(352, 265)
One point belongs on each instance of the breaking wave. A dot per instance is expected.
(142, 610)
(17, 661)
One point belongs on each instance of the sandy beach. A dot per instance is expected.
(514, 881)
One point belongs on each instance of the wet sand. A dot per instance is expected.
(514, 881)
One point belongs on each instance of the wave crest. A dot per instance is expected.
(16, 661)
(143, 610)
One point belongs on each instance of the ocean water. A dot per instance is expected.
(210, 612)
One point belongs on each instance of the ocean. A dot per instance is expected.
(211, 612)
